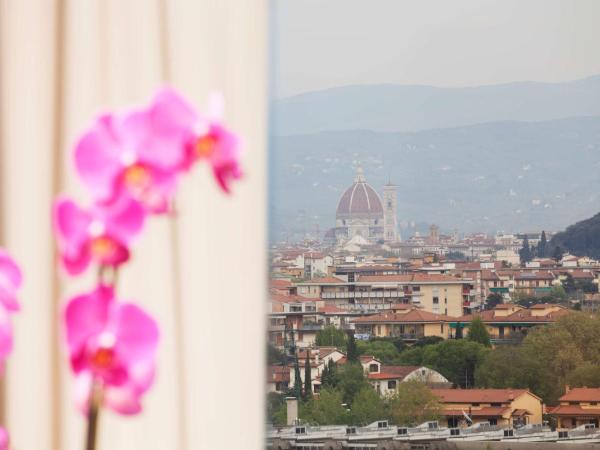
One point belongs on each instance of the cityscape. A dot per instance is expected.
(395, 309)
(434, 274)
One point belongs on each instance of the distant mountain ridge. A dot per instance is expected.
(508, 175)
(405, 108)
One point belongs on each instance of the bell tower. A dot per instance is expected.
(390, 216)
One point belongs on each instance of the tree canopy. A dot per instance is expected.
(479, 333)
(413, 403)
(567, 352)
(330, 336)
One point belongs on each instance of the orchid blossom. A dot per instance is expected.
(100, 234)
(112, 344)
(10, 283)
(137, 154)
(4, 439)
(216, 144)
(131, 164)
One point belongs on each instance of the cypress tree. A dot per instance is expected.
(478, 332)
(525, 252)
(297, 379)
(307, 377)
(352, 351)
(542, 246)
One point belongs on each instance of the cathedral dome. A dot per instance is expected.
(359, 200)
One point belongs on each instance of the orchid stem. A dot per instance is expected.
(92, 425)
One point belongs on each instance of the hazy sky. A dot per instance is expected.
(319, 44)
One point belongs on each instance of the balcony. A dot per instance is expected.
(311, 326)
(371, 294)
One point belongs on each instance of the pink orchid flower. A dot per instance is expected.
(138, 154)
(4, 439)
(113, 345)
(216, 144)
(100, 234)
(10, 282)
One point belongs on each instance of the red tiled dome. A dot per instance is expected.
(360, 199)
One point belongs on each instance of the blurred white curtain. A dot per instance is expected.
(62, 61)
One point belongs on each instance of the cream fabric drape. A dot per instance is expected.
(202, 276)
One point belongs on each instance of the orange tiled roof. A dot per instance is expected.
(290, 298)
(280, 284)
(393, 372)
(478, 395)
(582, 395)
(324, 280)
(278, 373)
(490, 411)
(412, 316)
(522, 315)
(573, 410)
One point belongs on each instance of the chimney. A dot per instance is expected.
(567, 388)
(292, 410)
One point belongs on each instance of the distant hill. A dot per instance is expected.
(495, 176)
(413, 108)
(581, 239)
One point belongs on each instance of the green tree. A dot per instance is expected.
(569, 284)
(456, 359)
(493, 300)
(587, 374)
(542, 246)
(566, 352)
(275, 402)
(558, 253)
(558, 294)
(385, 351)
(525, 253)
(326, 409)
(428, 340)
(367, 407)
(329, 375)
(479, 333)
(350, 380)
(331, 336)
(352, 353)
(414, 356)
(297, 391)
(413, 403)
(307, 377)
(274, 355)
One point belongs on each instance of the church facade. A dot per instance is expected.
(362, 212)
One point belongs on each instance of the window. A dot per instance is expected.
(442, 328)
(493, 421)
(373, 368)
(392, 384)
(496, 404)
(417, 289)
(436, 300)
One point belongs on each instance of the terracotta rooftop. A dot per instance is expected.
(582, 395)
(324, 280)
(412, 316)
(393, 372)
(574, 410)
(478, 395)
(412, 278)
(490, 411)
(278, 373)
(522, 315)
